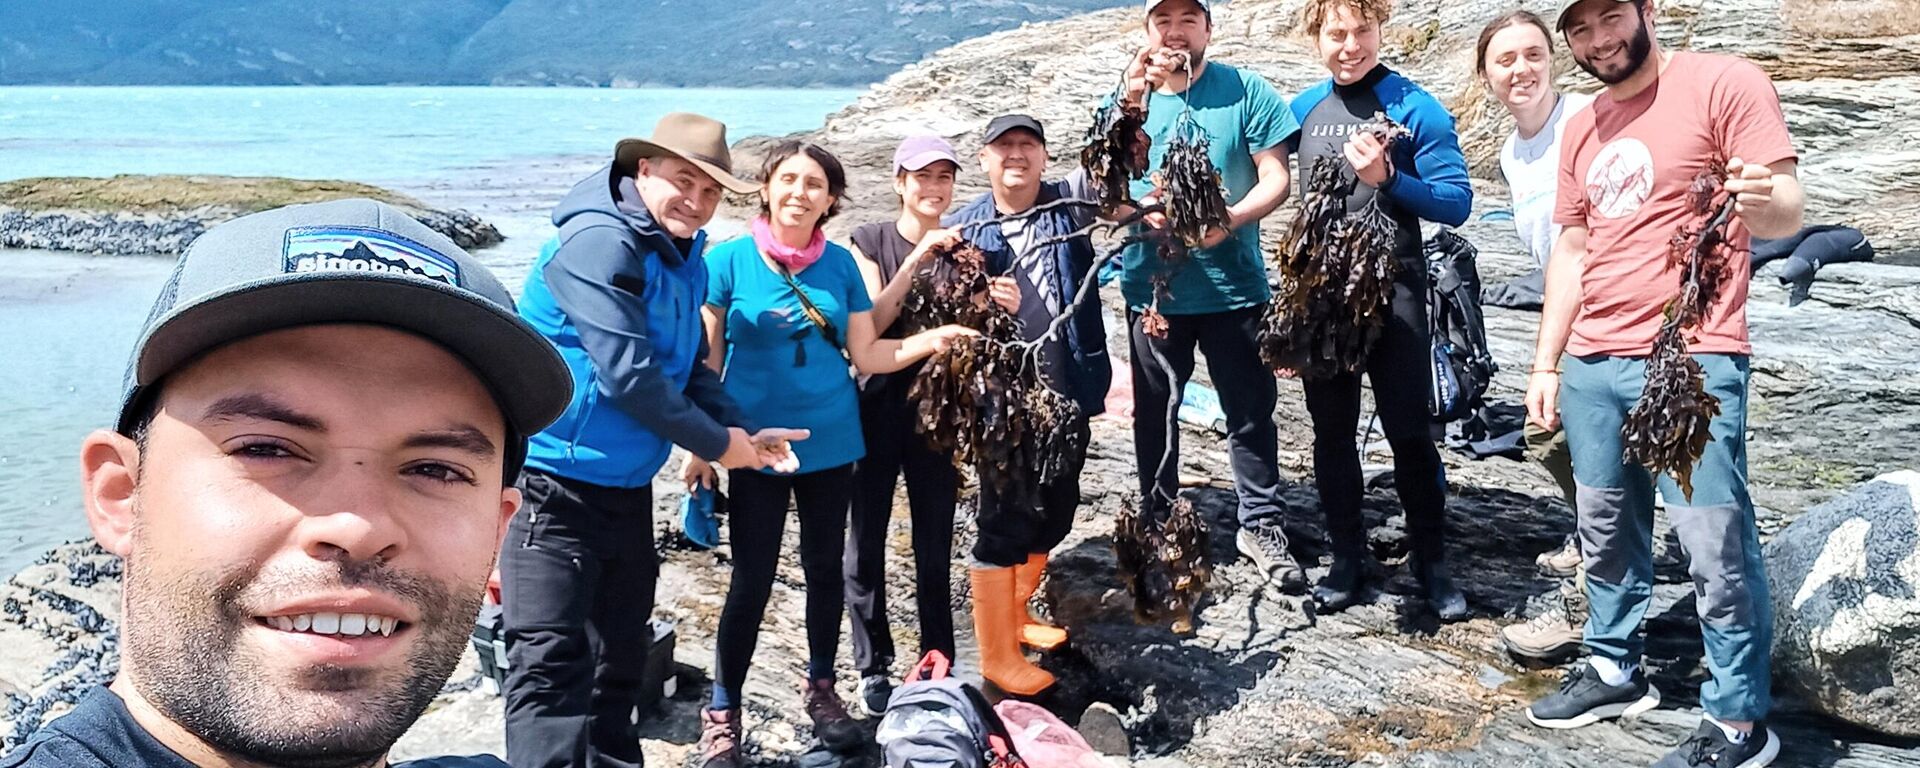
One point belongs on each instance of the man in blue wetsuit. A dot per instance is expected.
(1419, 177)
(310, 474)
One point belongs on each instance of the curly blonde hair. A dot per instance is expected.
(1315, 12)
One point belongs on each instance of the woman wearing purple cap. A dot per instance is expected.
(886, 251)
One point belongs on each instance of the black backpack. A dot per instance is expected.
(1462, 364)
(936, 721)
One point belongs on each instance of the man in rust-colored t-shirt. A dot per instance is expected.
(1625, 168)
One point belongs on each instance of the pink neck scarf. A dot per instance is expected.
(794, 259)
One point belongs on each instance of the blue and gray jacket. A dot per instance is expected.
(1088, 371)
(1429, 178)
(621, 301)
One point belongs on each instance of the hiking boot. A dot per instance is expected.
(1585, 699)
(1546, 637)
(720, 739)
(1708, 747)
(1446, 600)
(1266, 546)
(1345, 583)
(831, 724)
(1561, 563)
(875, 691)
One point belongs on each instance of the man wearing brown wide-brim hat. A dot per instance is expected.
(618, 292)
(699, 140)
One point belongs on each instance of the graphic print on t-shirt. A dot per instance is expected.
(1620, 179)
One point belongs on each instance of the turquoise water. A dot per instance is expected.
(360, 133)
(67, 321)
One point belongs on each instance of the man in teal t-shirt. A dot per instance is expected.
(1214, 300)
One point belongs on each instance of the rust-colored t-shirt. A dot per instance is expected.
(1624, 172)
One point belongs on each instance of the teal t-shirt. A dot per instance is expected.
(1241, 114)
(779, 367)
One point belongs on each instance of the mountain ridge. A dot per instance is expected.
(765, 43)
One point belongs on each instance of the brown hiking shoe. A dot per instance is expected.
(831, 723)
(720, 739)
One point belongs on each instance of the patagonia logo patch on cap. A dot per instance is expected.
(358, 249)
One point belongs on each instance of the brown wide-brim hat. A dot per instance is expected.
(697, 139)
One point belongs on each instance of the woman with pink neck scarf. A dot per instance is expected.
(786, 314)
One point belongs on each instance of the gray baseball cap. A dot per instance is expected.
(1566, 7)
(348, 261)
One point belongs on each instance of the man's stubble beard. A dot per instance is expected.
(182, 637)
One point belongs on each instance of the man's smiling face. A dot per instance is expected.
(308, 524)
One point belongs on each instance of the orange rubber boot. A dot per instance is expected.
(996, 623)
(1034, 633)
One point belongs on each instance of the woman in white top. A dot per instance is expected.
(1515, 61)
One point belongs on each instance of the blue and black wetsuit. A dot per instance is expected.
(1429, 181)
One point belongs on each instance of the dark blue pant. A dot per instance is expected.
(1010, 532)
(577, 572)
(1248, 394)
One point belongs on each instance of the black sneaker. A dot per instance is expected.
(1266, 546)
(875, 691)
(1708, 747)
(1585, 699)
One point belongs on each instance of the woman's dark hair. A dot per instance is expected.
(1508, 19)
(784, 151)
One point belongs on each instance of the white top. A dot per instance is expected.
(1532, 169)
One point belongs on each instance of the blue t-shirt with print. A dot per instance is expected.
(779, 367)
(1241, 114)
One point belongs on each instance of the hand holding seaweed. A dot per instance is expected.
(1337, 271)
(1668, 429)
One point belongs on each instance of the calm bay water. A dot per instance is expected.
(67, 321)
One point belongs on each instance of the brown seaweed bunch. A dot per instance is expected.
(1116, 154)
(1337, 270)
(982, 402)
(1191, 188)
(1669, 427)
(1163, 562)
(950, 287)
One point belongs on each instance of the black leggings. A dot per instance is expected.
(933, 486)
(1399, 369)
(758, 520)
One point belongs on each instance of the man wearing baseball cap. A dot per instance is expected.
(308, 480)
(1016, 535)
(1627, 164)
(1215, 300)
(888, 251)
(618, 292)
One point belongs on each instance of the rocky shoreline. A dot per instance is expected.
(140, 215)
(1265, 681)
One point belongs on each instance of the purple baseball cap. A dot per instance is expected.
(917, 152)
